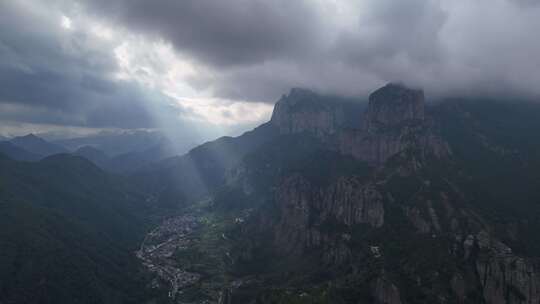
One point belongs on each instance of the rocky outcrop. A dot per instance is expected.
(393, 123)
(501, 276)
(394, 105)
(505, 277)
(310, 216)
(304, 111)
(377, 148)
(293, 198)
(351, 202)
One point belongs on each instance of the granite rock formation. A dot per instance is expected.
(393, 122)
(303, 111)
(381, 209)
(392, 105)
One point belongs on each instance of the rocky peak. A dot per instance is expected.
(393, 123)
(303, 110)
(37, 145)
(299, 95)
(393, 105)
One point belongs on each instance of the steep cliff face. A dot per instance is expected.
(311, 216)
(303, 111)
(400, 228)
(394, 122)
(377, 148)
(486, 266)
(392, 105)
(504, 276)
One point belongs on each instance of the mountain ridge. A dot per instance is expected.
(68, 230)
(334, 200)
(387, 212)
(37, 145)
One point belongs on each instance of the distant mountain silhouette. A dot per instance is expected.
(14, 152)
(37, 145)
(96, 156)
(117, 143)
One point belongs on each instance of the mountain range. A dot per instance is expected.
(29, 148)
(413, 203)
(390, 201)
(119, 143)
(114, 152)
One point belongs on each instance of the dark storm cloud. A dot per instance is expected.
(223, 33)
(257, 49)
(51, 77)
(408, 27)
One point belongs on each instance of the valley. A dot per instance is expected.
(159, 246)
(189, 255)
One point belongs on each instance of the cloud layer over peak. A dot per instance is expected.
(146, 64)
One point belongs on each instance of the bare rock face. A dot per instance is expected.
(393, 105)
(294, 198)
(505, 277)
(305, 208)
(379, 147)
(303, 111)
(393, 123)
(351, 203)
(502, 276)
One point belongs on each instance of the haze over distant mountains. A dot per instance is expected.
(115, 143)
(37, 145)
(117, 152)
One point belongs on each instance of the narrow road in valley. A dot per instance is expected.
(157, 252)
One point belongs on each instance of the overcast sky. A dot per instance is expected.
(217, 67)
